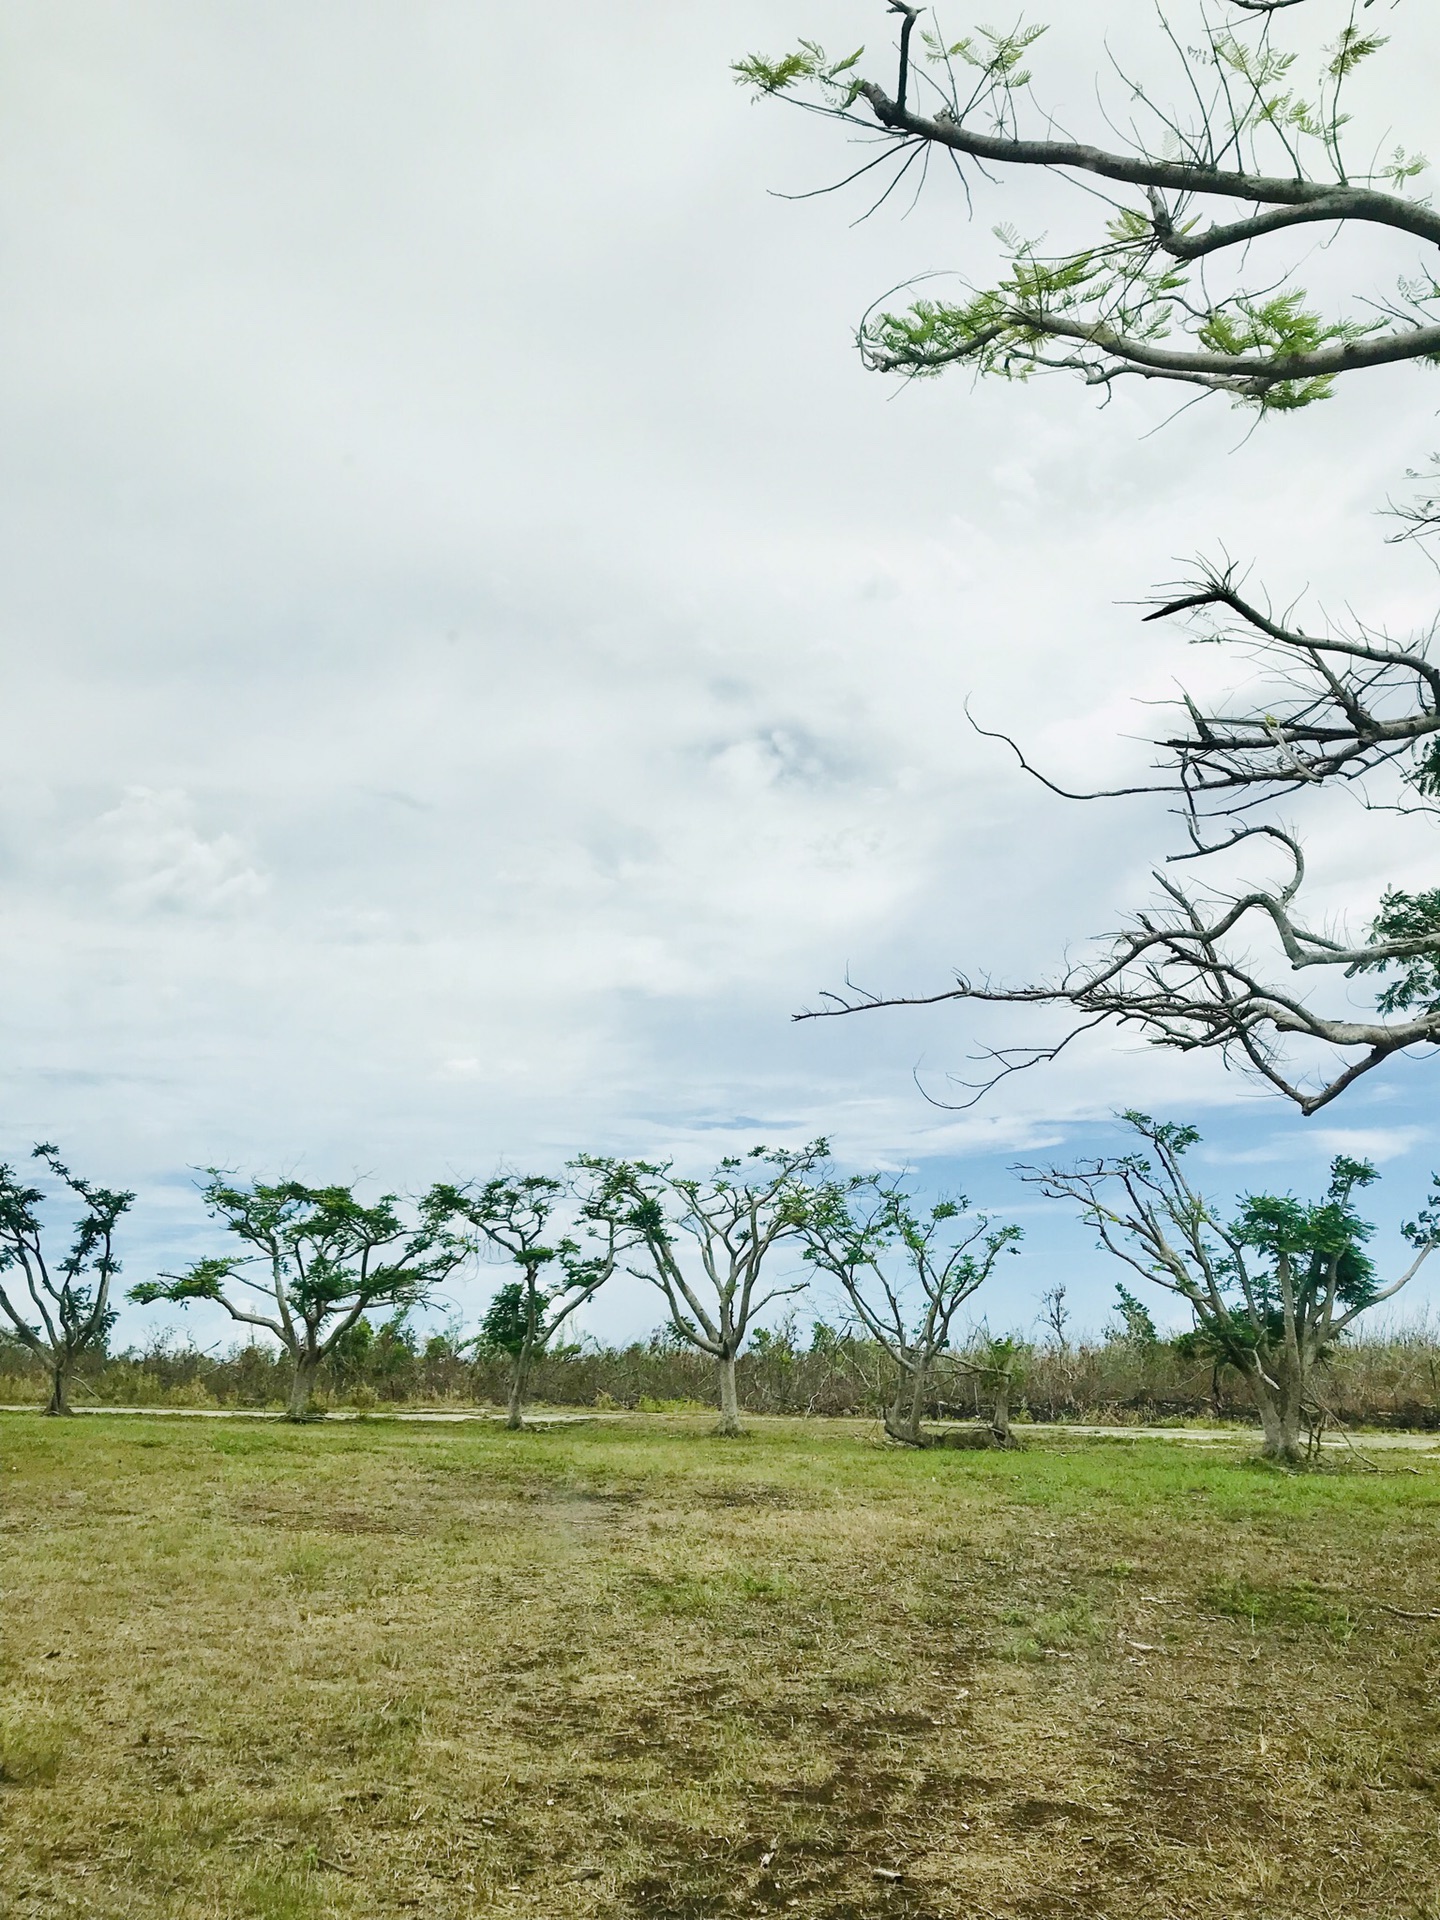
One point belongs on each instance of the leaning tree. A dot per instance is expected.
(514, 1216)
(1188, 275)
(708, 1244)
(1271, 1289)
(905, 1273)
(60, 1312)
(316, 1260)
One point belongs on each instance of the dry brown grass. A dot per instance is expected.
(630, 1670)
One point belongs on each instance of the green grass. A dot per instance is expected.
(630, 1670)
(32, 1748)
(1296, 1606)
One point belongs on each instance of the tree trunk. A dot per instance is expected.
(1000, 1410)
(1282, 1435)
(919, 1380)
(1291, 1448)
(59, 1402)
(902, 1422)
(302, 1388)
(1279, 1412)
(729, 1398)
(515, 1416)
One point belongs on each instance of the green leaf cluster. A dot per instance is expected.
(1412, 917)
(1136, 1318)
(837, 78)
(1279, 327)
(995, 53)
(1321, 1243)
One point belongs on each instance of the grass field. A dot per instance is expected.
(627, 1669)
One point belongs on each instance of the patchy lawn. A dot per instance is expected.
(630, 1670)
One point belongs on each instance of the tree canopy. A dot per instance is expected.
(60, 1311)
(1272, 1288)
(513, 1216)
(317, 1259)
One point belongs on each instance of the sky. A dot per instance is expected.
(480, 654)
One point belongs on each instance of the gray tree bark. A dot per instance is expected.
(515, 1414)
(1000, 1411)
(302, 1389)
(59, 1403)
(1280, 1411)
(903, 1420)
(729, 1397)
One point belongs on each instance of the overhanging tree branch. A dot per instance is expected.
(1119, 297)
(1178, 978)
(1341, 704)
(1199, 190)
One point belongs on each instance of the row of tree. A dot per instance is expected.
(1271, 1286)
(1385, 1373)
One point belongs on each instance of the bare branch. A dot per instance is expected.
(1175, 978)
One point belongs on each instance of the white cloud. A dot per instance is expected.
(1372, 1143)
(160, 860)
(1378, 1144)
(1318, 1144)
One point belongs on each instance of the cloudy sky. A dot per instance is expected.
(479, 652)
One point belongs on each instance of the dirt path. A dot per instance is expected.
(1039, 1430)
(1421, 1442)
(274, 1413)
